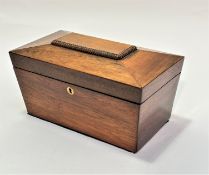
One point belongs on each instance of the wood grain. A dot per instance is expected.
(137, 70)
(156, 111)
(82, 79)
(97, 115)
(122, 102)
(161, 80)
(124, 79)
(145, 66)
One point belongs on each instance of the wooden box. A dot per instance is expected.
(115, 92)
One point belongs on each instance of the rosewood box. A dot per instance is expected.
(118, 93)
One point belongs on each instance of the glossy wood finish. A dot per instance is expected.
(138, 70)
(82, 79)
(122, 102)
(161, 80)
(103, 117)
(130, 77)
(156, 111)
(124, 124)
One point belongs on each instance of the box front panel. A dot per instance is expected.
(104, 117)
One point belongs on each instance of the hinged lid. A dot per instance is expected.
(116, 69)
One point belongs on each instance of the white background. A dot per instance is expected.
(30, 145)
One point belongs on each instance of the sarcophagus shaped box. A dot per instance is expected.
(115, 92)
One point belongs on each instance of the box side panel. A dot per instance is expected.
(103, 117)
(156, 111)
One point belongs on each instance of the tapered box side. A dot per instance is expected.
(122, 94)
(156, 111)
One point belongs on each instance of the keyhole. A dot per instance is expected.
(70, 90)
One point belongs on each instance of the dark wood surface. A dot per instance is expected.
(156, 111)
(123, 102)
(134, 78)
(124, 124)
(105, 86)
(106, 118)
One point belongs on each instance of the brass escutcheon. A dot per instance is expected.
(70, 90)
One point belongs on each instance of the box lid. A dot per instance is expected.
(120, 70)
